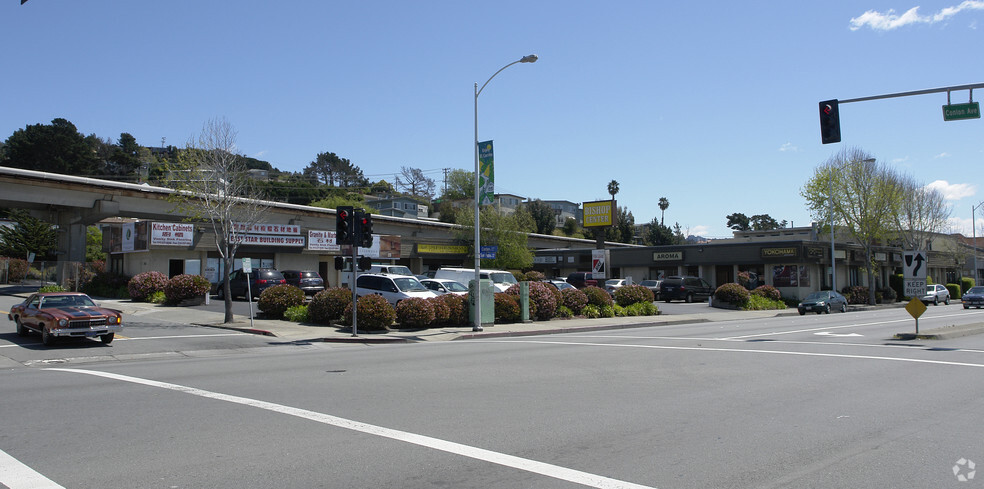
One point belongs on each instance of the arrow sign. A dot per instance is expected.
(839, 335)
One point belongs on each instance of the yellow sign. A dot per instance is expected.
(598, 214)
(915, 307)
(442, 249)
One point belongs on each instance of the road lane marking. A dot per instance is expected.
(542, 468)
(16, 475)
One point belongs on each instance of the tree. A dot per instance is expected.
(504, 231)
(333, 171)
(28, 235)
(739, 222)
(623, 230)
(125, 158)
(572, 229)
(93, 244)
(613, 188)
(55, 148)
(544, 218)
(212, 184)
(865, 198)
(415, 183)
(922, 213)
(459, 185)
(659, 235)
(664, 204)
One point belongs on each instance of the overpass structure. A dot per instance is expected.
(73, 203)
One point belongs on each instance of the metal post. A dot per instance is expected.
(833, 253)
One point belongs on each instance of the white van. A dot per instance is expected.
(393, 288)
(501, 279)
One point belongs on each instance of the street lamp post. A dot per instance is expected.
(478, 260)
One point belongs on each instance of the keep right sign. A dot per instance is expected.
(914, 265)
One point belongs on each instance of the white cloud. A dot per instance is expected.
(963, 225)
(890, 20)
(788, 147)
(942, 155)
(953, 191)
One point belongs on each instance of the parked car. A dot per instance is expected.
(307, 280)
(652, 285)
(501, 279)
(613, 284)
(936, 293)
(390, 269)
(558, 284)
(823, 301)
(582, 279)
(973, 297)
(443, 286)
(393, 288)
(56, 314)
(686, 289)
(260, 279)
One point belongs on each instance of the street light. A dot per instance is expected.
(478, 260)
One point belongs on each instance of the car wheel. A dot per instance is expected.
(947, 301)
(21, 329)
(690, 298)
(843, 307)
(46, 337)
(220, 293)
(965, 307)
(936, 301)
(107, 338)
(802, 313)
(826, 310)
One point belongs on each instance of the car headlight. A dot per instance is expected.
(62, 323)
(113, 320)
(821, 303)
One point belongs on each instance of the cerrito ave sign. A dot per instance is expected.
(958, 112)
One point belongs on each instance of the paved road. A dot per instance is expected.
(813, 401)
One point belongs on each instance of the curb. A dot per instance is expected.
(944, 333)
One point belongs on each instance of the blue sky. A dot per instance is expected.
(712, 105)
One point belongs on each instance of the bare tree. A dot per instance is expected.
(922, 213)
(415, 182)
(212, 184)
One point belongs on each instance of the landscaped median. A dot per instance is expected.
(736, 296)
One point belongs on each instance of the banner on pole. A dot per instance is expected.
(486, 173)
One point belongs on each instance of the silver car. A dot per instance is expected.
(936, 294)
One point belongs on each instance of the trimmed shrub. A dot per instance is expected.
(856, 294)
(631, 294)
(415, 312)
(591, 311)
(181, 287)
(457, 308)
(768, 291)
(107, 284)
(506, 308)
(574, 299)
(965, 284)
(275, 300)
(51, 288)
(758, 302)
(732, 294)
(597, 296)
(297, 314)
(329, 305)
(375, 313)
(888, 295)
(897, 283)
(144, 284)
(954, 291)
(534, 276)
(641, 309)
(543, 303)
(442, 313)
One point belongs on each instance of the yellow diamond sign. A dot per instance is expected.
(916, 308)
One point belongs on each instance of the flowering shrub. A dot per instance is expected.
(52, 288)
(574, 299)
(856, 294)
(744, 279)
(275, 300)
(768, 291)
(441, 310)
(457, 308)
(144, 284)
(297, 314)
(543, 303)
(329, 304)
(506, 307)
(16, 269)
(631, 294)
(375, 313)
(415, 312)
(597, 296)
(534, 276)
(733, 294)
(182, 287)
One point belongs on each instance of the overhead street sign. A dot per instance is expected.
(959, 112)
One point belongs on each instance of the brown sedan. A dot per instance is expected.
(55, 314)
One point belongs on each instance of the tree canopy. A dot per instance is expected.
(57, 148)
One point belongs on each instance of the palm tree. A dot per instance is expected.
(613, 188)
(663, 204)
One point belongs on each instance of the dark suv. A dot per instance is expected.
(307, 280)
(687, 289)
(582, 279)
(260, 279)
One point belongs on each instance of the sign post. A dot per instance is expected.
(247, 269)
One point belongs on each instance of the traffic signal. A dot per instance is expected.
(365, 230)
(344, 225)
(365, 263)
(830, 129)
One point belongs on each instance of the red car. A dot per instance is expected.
(54, 314)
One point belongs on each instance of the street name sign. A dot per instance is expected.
(914, 265)
(959, 112)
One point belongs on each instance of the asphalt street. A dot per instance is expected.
(790, 401)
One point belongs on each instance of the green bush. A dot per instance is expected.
(297, 314)
(856, 294)
(275, 300)
(591, 311)
(631, 294)
(107, 284)
(442, 313)
(52, 288)
(415, 312)
(329, 305)
(641, 309)
(768, 291)
(158, 297)
(597, 296)
(888, 295)
(144, 284)
(732, 293)
(574, 299)
(457, 308)
(954, 291)
(375, 313)
(181, 287)
(543, 302)
(897, 283)
(608, 311)
(532, 276)
(506, 308)
(965, 284)
(761, 303)
(564, 312)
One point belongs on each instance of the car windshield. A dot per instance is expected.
(455, 287)
(976, 290)
(613, 282)
(408, 284)
(930, 289)
(399, 271)
(502, 278)
(816, 296)
(68, 301)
